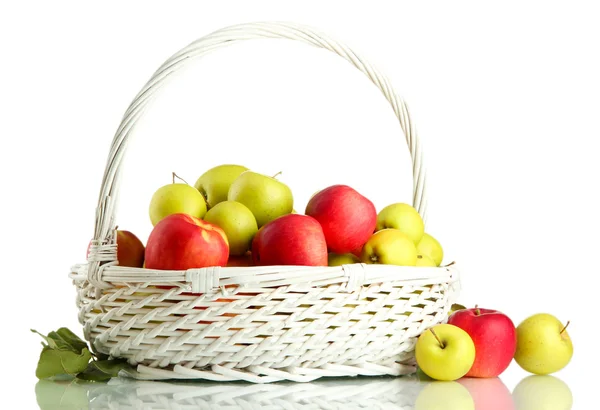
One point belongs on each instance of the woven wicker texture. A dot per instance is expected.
(258, 324)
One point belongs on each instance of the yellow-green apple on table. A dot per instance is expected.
(488, 393)
(444, 395)
(430, 246)
(336, 259)
(214, 184)
(238, 223)
(130, 250)
(494, 336)
(181, 242)
(348, 218)
(425, 261)
(403, 217)
(389, 247)
(542, 392)
(267, 197)
(176, 198)
(290, 240)
(445, 352)
(543, 344)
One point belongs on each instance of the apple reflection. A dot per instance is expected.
(488, 393)
(542, 393)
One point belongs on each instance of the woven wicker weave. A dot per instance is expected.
(259, 324)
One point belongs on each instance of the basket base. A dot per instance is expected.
(260, 374)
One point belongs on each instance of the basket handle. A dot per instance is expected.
(105, 212)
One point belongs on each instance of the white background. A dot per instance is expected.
(505, 98)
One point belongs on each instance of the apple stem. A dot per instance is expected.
(277, 174)
(178, 177)
(438, 339)
(565, 328)
(477, 311)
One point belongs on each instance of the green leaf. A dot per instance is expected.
(55, 362)
(102, 370)
(64, 339)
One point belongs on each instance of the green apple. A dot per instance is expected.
(214, 184)
(238, 223)
(543, 344)
(445, 352)
(430, 246)
(444, 395)
(336, 259)
(265, 196)
(543, 393)
(389, 247)
(403, 217)
(176, 198)
(426, 261)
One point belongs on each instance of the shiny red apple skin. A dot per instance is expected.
(181, 242)
(494, 336)
(292, 239)
(347, 217)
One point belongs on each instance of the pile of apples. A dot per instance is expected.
(482, 343)
(233, 216)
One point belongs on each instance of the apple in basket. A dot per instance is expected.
(403, 217)
(130, 250)
(238, 223)
(292, 239)
(347, 217)
(176, 198)
(494, 335)
(265, 196)
(181, 241)
(214, 184)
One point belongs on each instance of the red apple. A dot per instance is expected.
(495, 339)
(130, 250)
(291, 239)
(489, 393)
(347, 217)
(181, 241)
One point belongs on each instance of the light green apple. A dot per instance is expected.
(543, 344)
(445, 352)
(543, 393)
(265, 196)
(389, 247)
(430, 246)
(214, 184)
(176, 198)
(336, 259)
(403, 217)
(425, 261)
(444, 395)
(238, 223)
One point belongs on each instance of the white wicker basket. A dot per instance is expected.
(258, 324)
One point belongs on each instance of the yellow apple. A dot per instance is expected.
(445, 352)
(403, 217)
(265, 196)
(543, 393)
(543, 344)
(444, 395)
(214, 184)
(389, 247)
(430, 246)
(336, 259)
(176, 198)
(425, 261)
(238, 223)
